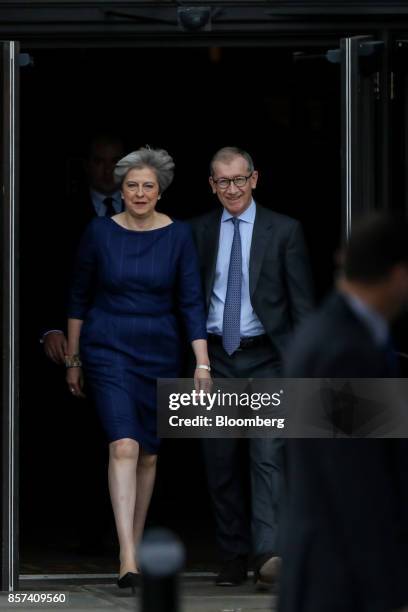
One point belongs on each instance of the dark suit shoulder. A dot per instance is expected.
(275, 218)
(209, 218)
(333, 342)
(334, 323)
(266, 214)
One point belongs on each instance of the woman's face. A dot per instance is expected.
(140, 191)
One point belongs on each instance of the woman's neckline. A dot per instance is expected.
(135, 231)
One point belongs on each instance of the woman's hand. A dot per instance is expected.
(75, 380)
(202, 380)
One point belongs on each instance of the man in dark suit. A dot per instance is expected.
(345, 528)
(101, 197)
(257, 285)
(85, 468)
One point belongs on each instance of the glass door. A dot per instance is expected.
(9, 82)
(364, 111)
(399, 80)
(365, 133)
(374, 151)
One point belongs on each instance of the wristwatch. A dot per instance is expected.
(202, 366)
(72, 361)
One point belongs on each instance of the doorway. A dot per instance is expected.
(284, 110)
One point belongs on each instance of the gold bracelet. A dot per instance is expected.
(72, 362)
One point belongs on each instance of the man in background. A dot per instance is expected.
(100, 196)
(82, 465)
(345, 527)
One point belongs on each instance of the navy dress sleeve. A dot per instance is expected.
(84, 274)
(189, 289)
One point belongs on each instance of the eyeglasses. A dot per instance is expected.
(239, 181)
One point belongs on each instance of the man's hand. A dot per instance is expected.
(55, 346)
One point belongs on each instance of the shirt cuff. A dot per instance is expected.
(50, 331)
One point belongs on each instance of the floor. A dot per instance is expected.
(196, 594)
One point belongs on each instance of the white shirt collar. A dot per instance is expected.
(248, 216)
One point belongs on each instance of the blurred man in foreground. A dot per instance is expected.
(345, 537)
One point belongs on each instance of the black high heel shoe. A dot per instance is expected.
(129, 580)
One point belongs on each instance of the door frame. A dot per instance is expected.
(10, 314)
(10, 267)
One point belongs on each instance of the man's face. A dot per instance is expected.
(234, 199)
(100, 165)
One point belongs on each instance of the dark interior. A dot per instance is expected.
(282, 109)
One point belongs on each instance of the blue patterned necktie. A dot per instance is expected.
(231, 336)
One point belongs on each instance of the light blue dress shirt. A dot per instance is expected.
(250, 324)
(99, 206)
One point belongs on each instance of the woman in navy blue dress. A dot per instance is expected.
(136, 274)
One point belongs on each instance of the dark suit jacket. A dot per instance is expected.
(279, 274)
(335, 343)
(58, 255)
(345, 516)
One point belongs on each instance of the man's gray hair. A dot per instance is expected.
(157, 160)
(227, 154)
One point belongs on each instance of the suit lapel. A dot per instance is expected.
(260, 238)
(211, 240)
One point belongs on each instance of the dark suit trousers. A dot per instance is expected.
(225, 473)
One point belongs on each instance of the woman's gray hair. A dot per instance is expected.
(157, 160)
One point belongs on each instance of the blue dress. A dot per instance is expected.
(131, 288)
